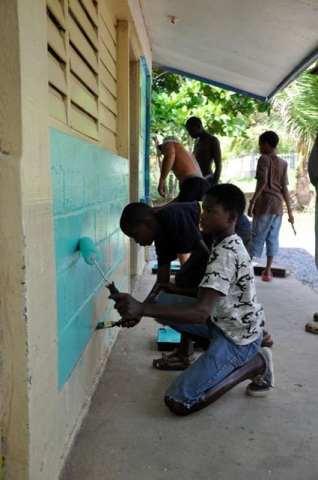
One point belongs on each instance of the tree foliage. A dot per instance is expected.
(176, 98)
(292, 113)
(297, 108)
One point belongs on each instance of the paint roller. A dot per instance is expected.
(90, 255)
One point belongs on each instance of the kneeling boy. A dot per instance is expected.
(225, 317)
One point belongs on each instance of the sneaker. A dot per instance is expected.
(262, 384)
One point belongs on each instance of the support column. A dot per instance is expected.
(123, 133)
(134, 151)
(27, 267)
(13, 340)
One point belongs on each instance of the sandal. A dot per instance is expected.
(267, 340)
(173, 361)
(267, 278)
(312, 327)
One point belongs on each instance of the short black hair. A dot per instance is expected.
(269, 137)
(134, 214)
(194, 121)
(229, 196)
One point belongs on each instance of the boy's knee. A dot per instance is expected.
(176, 407)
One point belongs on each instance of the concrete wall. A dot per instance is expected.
(13, 314)
(57, 184)
(28, 299)
(139, 158)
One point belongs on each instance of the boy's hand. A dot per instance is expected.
(127, 323)
(291, 218)
(250, 210)
(162, 188)
(291, 221)
(127, 306)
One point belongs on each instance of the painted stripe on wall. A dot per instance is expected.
(90, 189)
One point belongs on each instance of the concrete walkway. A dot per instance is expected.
(305, 233)
(129, 434)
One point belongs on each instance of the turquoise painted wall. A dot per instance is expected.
(90, 189)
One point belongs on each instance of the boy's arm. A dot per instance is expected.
(167, 165)
(163, 276)
(216, 156)
(199, 254)
(176, 290)
(286, 196)
(261, 176)
(196, 312)
(260, 185)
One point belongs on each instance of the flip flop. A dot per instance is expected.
(173, 361)
(312, 327)
(267, 340)
(267, 278)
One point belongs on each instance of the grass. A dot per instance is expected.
(248, 184)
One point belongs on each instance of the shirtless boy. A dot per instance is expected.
(206, 150)
(185, 167)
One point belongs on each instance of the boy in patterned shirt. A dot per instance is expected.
(225, 318)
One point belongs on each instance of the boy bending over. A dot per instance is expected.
(225, 318)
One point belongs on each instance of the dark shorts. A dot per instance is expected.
(246, 236)
(193, 188)
(210, 179)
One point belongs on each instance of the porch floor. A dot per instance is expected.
(129, 433)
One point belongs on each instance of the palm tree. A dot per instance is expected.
(297, 108)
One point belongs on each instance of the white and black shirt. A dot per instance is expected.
(230, 271)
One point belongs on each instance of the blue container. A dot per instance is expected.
(175, 267)
(167, 339)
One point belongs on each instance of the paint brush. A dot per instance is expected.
(107, 324)
(293, 228)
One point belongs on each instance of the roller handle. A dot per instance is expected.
(101, 325)
(111, 287)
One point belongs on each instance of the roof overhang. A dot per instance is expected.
(254, 47)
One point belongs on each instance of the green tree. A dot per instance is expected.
(176, 98)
